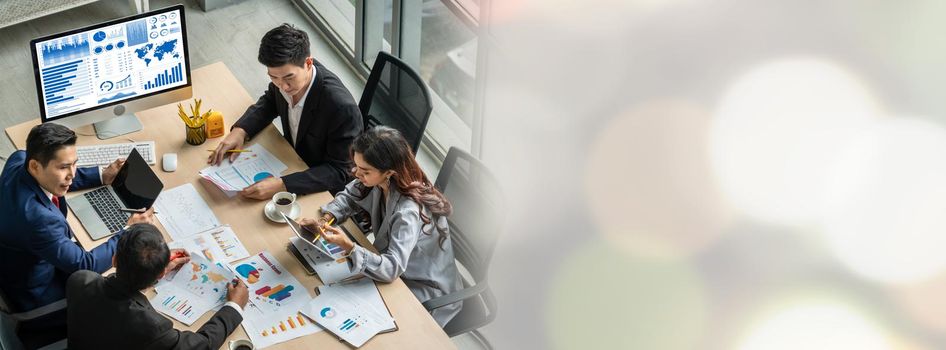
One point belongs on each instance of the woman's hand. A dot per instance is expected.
(338, 237)
(310, 224)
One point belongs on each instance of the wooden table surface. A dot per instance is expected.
(220, 90)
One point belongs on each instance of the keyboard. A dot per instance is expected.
(108, 209)
(97, 155)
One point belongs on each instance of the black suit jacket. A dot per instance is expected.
(103, 314)
(330, 122)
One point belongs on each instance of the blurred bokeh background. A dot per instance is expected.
(730, 174)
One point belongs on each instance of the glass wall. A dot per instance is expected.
(435, 37)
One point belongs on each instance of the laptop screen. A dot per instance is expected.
(136, 184)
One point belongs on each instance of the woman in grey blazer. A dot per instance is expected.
(408, 217)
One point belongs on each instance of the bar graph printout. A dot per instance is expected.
(272, 288)
(198, 287)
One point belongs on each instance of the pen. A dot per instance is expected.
(323, 230)
(232, 150)
(133, 211)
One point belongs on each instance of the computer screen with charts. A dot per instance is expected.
(110, 70)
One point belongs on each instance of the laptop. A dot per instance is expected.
(329, 249)
(135, 186)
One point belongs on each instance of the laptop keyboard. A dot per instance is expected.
(107, 208)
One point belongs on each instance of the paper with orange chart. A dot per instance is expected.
(276, 299)
(199, 286)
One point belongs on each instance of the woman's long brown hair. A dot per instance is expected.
(386, 149)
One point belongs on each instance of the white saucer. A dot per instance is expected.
(272, 214)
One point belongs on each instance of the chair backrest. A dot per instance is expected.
(396, 96)
(478, 210)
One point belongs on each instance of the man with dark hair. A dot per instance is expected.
(125, 317)
(319, 117)
(37, 247)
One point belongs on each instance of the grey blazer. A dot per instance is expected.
(409, 249)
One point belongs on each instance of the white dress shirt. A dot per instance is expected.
(295, 112)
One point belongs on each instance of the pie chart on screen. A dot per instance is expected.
(261, 175)
(249, 272)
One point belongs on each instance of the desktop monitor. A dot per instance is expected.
(105, 72)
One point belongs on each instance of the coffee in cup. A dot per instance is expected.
(241, 344)
(283, 202)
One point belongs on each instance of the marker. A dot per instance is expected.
(133, 211)
(178, 254)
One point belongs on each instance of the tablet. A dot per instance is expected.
(329, 249)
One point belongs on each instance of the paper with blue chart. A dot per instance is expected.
(199, 286)
(354, 311)
(250, 167)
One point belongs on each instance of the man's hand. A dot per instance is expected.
(265, 189)
(109, 172)
(233, 141)
(238, 293)
(140, 218)
(179, 257)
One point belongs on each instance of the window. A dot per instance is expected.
(337, 17)
(435, 37)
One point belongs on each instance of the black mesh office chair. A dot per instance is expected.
(475, 226)
(396, 96)
(9, 323)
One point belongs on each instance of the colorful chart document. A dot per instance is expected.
(198, 287)
(219, 245)
(272, 288)
(266, 329)
(249, 168)
(353, 311)
(183, 212)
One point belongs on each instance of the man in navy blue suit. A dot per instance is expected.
(38, 250)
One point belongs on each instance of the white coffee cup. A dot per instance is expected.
(241, 344)
(283, 202)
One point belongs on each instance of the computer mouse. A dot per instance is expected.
(169, 162)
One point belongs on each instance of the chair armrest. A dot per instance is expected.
(40, 311)
(451, 298)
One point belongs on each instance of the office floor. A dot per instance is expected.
(230, 34)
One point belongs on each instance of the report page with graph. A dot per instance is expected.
(111, 62)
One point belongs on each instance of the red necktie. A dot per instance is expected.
(56, 201)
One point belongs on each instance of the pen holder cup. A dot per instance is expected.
(196, 136)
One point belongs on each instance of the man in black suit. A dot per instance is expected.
(111, 312)
(319, 117)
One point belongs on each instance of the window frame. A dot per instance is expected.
(406, 36)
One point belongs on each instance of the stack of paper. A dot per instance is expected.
(198, 287)
(183, 212)
(329, 269)
(250, 167)
(354, 311)
(277, 299)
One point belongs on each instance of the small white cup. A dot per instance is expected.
(283, 202)
(241, 344)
